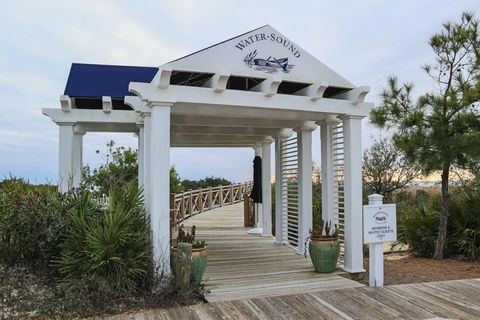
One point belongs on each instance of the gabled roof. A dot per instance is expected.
(247, 60)
(94, 80)
(260, 53)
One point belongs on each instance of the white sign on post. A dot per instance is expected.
(379, 223)
(379, 226)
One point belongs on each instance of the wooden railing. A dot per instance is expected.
(186, 204)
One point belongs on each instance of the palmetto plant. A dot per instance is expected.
(417, 229)
(465, 225)
(107, 250)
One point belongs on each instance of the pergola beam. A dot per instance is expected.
(234, 131)
(188, 120)
(106, 127)
(229, 99)
(213, 138)
(126, 121)
(211, 145)
(91, 116)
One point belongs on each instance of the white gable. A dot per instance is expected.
(261, 53)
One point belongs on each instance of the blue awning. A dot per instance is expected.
(95, 81)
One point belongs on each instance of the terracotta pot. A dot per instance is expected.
(324, 253)
(199, 262)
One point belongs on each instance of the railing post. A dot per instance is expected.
(209, 200)
(172, 201)
(190, 203)
(182, 206)
(220, 196)
(173, 216)
(247, 211)
(200, 200)
(231, 194)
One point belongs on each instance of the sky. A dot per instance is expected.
(364, 41)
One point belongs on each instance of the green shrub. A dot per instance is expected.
(418, 229)
(464, 225)
(418, 226)
(33, 220)
(119, 168)
(106, 250)
(316, 208)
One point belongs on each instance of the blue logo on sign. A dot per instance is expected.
(269, 65)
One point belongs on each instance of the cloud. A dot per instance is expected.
(364, 41)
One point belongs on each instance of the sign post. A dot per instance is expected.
(379, 226)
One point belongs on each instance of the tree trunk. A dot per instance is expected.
(442, 226)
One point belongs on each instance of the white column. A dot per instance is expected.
(352, 135)
(278, 191)
(305, 165)
(141, 157)
(327, 169)
(160, 185)
(267, 187)
(65, 156)
(77, 160)
(146, 160)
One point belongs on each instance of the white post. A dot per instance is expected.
(352, 135)
(327, 170)
(146, 160)
(65, 156)
(266, 188)
(77, 160)
(375, 251)
(278, 191)
(141, 157)
(305, 165)
(160, 185)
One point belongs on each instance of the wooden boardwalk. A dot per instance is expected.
(248, 266)
(457, 299)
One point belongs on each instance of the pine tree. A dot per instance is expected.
(441, 129)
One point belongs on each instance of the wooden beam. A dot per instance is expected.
(190, 120)
(235, 131)
(65, 103)
(178, 137)
(226, 103)
(269, 86)
(107, 104)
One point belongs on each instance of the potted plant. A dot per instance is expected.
(199, 253)
(323, 246)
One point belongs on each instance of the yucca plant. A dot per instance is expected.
(107, 250)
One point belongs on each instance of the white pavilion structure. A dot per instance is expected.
(253, 90)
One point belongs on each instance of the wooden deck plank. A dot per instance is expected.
(434, 305)
(397, 302)
(406, 301)
(241, 265)
(251, 278)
